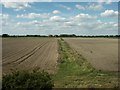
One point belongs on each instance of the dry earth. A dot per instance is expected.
(102, 53)
(28, 53)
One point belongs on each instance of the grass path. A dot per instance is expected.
(75, 72)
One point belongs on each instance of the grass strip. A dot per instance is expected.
(75, 72)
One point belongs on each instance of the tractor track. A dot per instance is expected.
(27, 55)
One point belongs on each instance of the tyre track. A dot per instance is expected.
(41, 59)
(40, 53)
(26, 50)
(31, 53)
(50, 64)
(13, 54)
(24, 46)
(36, 60)
(26, 56)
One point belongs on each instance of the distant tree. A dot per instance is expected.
(56, 35)
(67, 35)
(5, 35)
(50, 35)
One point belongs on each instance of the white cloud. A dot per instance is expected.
(99, 26)
(34, 15)
(107, 1)
(27, 26)
(95, 7)
(64, 26)
(106, 26)
(58, 24)
(56, 12)
(84, 17)
(80, 7)
(26, 0)
(90, 7)
(65, 7)
(69, 24)
(31, 23)
(57, 18)
(4, 16)
(109, 13)
(16, 5)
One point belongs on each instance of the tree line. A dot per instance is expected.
(63, 35)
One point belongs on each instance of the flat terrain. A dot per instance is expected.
(102, 53)
(28, 53)
(67, 58)
(76, 72)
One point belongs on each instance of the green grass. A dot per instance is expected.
(75, 72)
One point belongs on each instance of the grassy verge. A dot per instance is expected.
(75, 72)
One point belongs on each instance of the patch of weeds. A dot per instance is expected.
(28, 80)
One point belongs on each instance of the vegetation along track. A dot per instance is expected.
(75, 72)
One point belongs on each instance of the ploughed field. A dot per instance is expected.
(102, 53)
(70, 61)
(28, 53)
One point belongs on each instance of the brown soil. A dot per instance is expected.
(102, 53)
(29, 53)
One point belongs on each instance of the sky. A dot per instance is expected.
(45, 18)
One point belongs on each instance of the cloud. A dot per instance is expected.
(107, 1)
(4, 16)
(56, 12)
(26, 27)
(65, 7)
(31, 23)
(57, 24)
(84, 17)
(106, 26)
(99, 26)
(95, 7)
(16, 5)
(57, 18)
(53, 27)
(92, 6)
(69, 24)
(26, 0)
(109, 13)
(34, 15)
(80, 7)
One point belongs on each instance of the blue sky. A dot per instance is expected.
(44, 18)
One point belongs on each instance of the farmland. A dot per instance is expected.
(75, 71)
(100, 52)
(28, 53)
(73, 62)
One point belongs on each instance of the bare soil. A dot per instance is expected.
(102, 53)
(29, 53)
